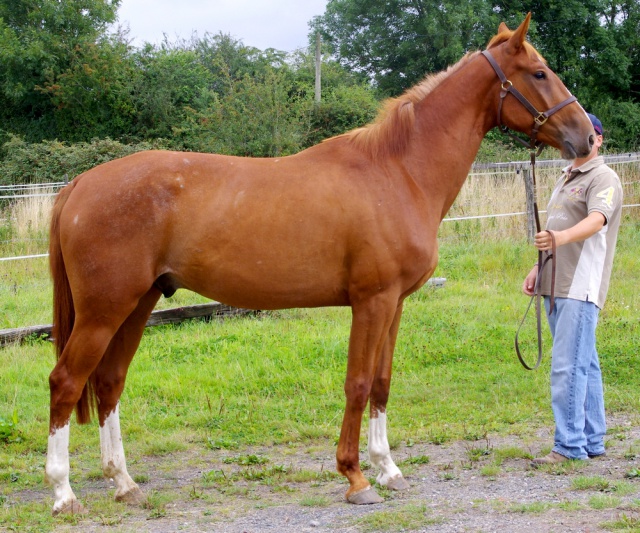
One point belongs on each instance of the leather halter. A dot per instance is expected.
(539, 118)
(535, 147)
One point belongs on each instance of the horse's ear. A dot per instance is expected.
(502, 28)
(517, 39)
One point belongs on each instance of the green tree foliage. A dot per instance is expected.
(93, 97)
(594, 45)
(210, 94)
(64, 77)
(397, 42)
(39, 40)
(347, 99)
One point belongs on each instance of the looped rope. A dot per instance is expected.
(537, 297)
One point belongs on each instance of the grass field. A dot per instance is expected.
(277, 377)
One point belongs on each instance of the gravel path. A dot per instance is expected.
(481, 486)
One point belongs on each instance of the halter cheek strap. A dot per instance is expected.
(539, 118)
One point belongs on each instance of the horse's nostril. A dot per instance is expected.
(591, 140)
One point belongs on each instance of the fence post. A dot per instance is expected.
(528, 187)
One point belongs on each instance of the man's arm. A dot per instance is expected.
(580, 232)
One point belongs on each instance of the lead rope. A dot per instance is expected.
(535, 148)
(543, 259)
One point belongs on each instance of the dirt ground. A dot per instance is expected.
(456, 490)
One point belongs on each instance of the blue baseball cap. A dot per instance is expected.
(597, 125)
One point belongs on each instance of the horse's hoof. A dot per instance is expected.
(366, 496)
(70, 508)
(397, 483)
(134, 497)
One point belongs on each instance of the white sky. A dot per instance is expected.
(279, 24)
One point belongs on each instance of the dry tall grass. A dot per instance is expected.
(503, 193)
(30, 216)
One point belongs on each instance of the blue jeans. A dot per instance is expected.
(577, 396)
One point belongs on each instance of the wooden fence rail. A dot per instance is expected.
(157, 318)
(161, 317)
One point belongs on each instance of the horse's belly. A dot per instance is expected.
(254, 289)
(245, 278)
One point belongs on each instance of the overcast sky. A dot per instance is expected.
(279, 24)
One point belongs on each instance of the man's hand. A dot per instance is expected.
(530, 281)
(580, 232)
(543, 241)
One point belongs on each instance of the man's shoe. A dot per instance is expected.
(553, 458)
(597, 456)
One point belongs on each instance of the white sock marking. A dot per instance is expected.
(113, 460)
(57, 468)
(379, 451)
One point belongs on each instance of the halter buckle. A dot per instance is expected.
(506, 85)
(541, 119)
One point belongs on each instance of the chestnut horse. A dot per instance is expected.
(349, 222)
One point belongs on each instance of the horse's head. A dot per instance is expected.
(532, 99)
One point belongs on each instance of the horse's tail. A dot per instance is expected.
(63, 309)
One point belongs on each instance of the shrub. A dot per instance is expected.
(52, 161)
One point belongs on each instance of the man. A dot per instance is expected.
(584, 215)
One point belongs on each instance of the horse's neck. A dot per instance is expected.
(451, 123)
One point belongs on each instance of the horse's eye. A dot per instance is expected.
(540, 75)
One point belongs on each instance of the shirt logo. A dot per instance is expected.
(575, 193)
(606, 196)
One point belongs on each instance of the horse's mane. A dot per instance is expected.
(390, 132)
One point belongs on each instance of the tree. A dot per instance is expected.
(39, 39)
(347, 102)
(594, 45)
(94, 96)
(395, 43)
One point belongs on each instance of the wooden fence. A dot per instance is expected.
(158, 318)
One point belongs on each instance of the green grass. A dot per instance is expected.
(277, 378)
(623, 523)
(602, 484)
(604, 501)
(524, 508)
(315, 501)
(407, 517)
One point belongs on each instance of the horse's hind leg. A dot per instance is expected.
(379, 451)
(109, 380)
(81, 355)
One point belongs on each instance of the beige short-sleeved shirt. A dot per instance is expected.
(583, 269)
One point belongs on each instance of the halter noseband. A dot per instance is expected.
(539, 118)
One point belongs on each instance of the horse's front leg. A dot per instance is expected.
(379, 451)
(372, 320)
